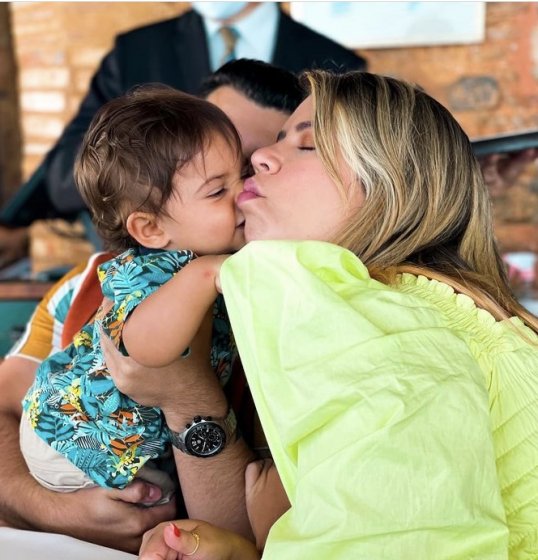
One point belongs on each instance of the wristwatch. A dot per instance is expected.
(206, 436)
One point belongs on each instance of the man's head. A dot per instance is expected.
(257, 97)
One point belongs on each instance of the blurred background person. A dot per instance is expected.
(179, 52)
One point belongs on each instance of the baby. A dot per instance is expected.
(159, 170)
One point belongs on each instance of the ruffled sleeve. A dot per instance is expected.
(514, 417)
(376, 414)
(508, 354)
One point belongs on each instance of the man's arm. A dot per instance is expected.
(108, 517)
(16, 375)
(213, 488)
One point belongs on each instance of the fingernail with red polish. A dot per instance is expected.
(177, 532)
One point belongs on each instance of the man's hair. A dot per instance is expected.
(134, 147)
(426, 207)
(265, 84)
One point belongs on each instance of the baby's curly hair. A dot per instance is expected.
(134, 147)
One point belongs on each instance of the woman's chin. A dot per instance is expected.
(251, 233)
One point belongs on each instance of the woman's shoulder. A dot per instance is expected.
(331, 281)
(463, 315)
(412, 303)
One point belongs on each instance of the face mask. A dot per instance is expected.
(218, 10)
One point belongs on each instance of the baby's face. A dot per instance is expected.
(201, 214)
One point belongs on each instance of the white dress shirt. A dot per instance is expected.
(256, 35)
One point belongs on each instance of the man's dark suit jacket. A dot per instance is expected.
(172, 52)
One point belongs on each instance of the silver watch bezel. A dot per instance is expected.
(226, 425)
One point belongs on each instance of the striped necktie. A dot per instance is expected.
(229, 37)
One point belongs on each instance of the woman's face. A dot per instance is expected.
(291, 195)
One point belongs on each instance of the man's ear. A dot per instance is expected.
(146, 230)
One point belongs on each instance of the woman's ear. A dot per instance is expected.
(146, 230)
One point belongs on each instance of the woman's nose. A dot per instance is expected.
(265, 160)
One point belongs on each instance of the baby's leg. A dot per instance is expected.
(266, 499)
(50, 468)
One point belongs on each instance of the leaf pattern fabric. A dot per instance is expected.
(74, 405)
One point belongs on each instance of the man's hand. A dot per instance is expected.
(142, 384)
(112, 518)
(176, 388)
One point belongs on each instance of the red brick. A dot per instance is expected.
(10, 137)
(517, 237)
(41, 126)
(43, 102)
(50, 77)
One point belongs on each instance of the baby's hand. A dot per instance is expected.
(217, 283)
(266, 498)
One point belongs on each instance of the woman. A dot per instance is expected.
(396, 391)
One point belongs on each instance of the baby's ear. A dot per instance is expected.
(144, 228)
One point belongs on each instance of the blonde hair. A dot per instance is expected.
(426, 207)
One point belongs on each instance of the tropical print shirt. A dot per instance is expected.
(74, 405)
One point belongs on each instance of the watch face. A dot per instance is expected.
(205, 439)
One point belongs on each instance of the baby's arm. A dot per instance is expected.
(266, 498)
(163, 325)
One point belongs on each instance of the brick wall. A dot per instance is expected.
(59, 46)
(490, 87)
(10, 141)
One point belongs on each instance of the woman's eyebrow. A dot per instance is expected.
(303, 125)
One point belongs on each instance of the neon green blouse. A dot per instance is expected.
(402, 419)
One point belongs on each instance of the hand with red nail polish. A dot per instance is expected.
(175, 528)
(195, 540)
